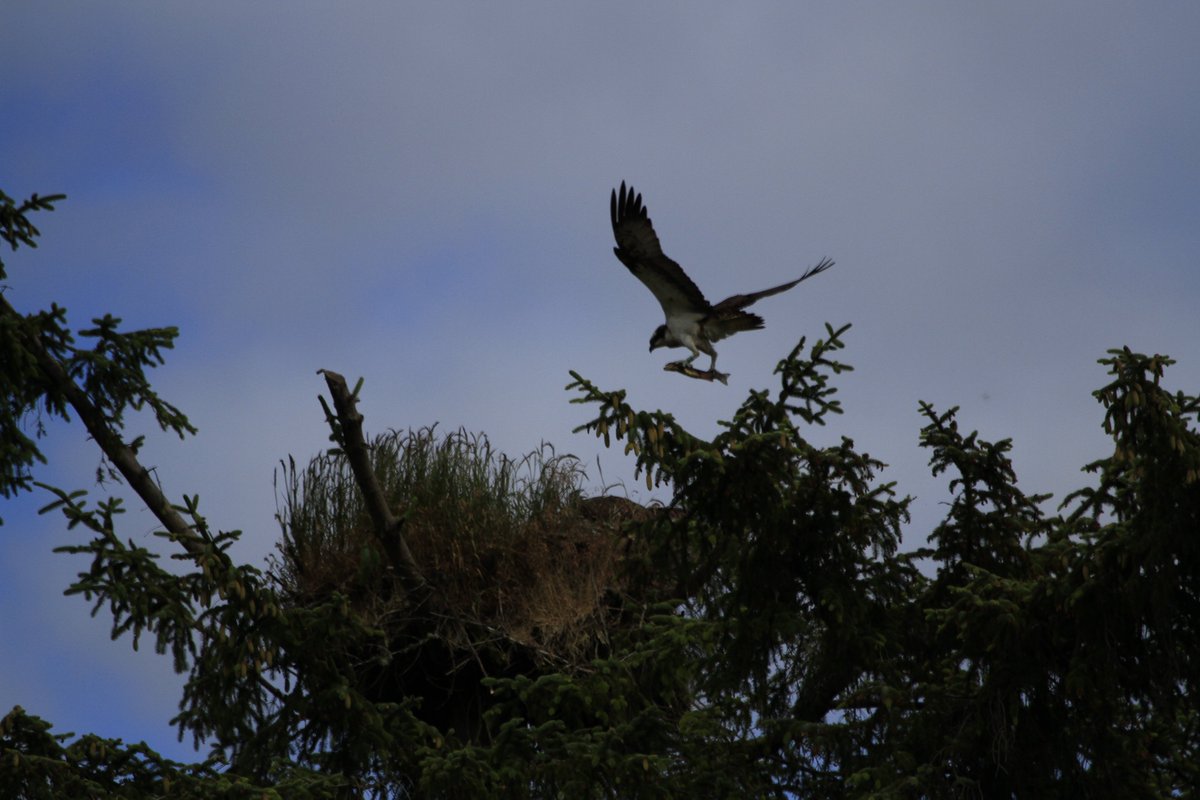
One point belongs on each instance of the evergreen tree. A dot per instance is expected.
(442, 621)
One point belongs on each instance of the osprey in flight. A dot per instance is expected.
(692, 321)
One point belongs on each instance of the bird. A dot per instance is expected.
(691, 321)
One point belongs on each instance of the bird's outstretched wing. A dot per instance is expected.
(639, 250)
(740, 301)
(728, 317)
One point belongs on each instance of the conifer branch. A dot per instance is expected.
(120, 454)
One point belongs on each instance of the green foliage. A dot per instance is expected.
(1060, 651)
(22, 390)
(764, 637)
(37, 764)
(112, 372)
(784, 554)
(15, 227)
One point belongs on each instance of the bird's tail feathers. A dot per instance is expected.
(731, 321)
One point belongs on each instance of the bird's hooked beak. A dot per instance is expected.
(658, 338)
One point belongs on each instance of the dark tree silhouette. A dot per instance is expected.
(443, 621)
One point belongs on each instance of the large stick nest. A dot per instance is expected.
(525, 573)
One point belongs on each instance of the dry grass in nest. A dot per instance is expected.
(509, 546)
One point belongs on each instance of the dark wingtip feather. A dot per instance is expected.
(822, 265)
(626, 204)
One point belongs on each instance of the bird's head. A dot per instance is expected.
(659, 338)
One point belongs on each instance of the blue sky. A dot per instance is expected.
(420, 197)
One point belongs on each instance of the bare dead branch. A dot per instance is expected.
(389, 528)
